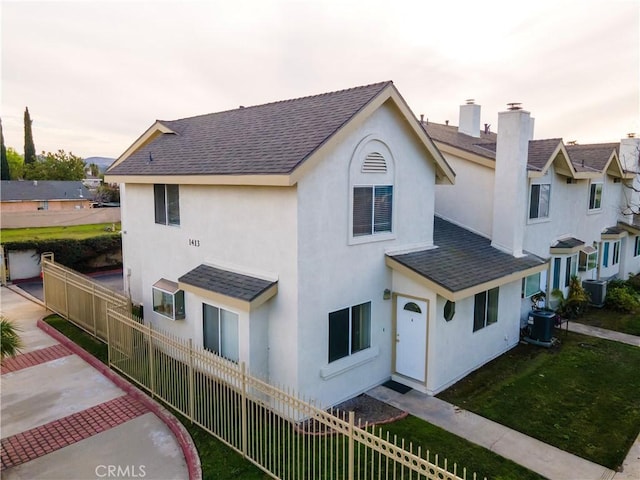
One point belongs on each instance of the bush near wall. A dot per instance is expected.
(72, 253)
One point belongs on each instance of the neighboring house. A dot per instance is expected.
(30, 195)
(91, 182)
(299, 237)
(561, 202)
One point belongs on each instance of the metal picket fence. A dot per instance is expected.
(277, 429)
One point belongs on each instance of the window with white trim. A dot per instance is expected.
(220, 332)
(371, 179)
(372, 209)
(539, 201)
(595, 196)
(349, 331)
(636, 247)
(588, 259)
(166, 200)
(571, 269)
(531, 285)
(485, 310)
(168, 300)
(557, 262)
(615, 257)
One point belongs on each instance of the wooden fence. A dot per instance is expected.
(277, 429)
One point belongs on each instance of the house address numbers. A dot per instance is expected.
(194, 243)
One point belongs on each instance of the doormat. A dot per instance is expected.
(396, 387)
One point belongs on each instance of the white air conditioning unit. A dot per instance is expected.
(597, 290)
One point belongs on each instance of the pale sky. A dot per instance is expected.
(96, 75)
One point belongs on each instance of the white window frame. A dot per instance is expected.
(489, 314)
(541, 192)
(588, 261)
(615, 253)
(595, 202)
(350, 346)
(218, 349)
(372, 232)
(167, 300)
(168, 215)
(531, 285)
(636, 247)
(570, 261)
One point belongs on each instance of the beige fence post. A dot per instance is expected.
(244, 409)
(351, 466)
(93, 310)
(108, 336)
(191, 382)
(66, 294)
(152, 370)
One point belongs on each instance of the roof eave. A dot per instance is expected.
(155, 130)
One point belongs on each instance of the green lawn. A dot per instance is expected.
(582, 397)
(612, 320)
(77, 232)
(221, 462)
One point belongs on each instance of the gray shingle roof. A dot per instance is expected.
(273, 138)
(463, 259)
(484, 146)
(591, 157)
(615, 230)
(27, 190)
(569, 242)
(540, 151)
(226, 283)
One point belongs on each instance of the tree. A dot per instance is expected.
(55, 166)
(5, 173)
(16, 164)
(108, 193)
(29, 147)
(94, 169)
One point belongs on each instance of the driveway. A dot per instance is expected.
(110, 279)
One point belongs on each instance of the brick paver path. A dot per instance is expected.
(39, 441)
(34, 358)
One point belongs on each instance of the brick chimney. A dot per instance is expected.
(515, 129)
(469, 123)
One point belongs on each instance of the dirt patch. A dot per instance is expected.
(368, 411)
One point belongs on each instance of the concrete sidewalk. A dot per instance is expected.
(64, 418)
(538, 456)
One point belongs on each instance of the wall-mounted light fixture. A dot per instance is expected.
(387, 294)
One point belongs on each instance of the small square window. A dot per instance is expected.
(168, 300)
(349, 331)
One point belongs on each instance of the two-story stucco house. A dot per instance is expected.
(299, 237)
(561, 202)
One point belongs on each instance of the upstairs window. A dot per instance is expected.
(167, 204)
(539, 201)
(372, 209)
(595, 196)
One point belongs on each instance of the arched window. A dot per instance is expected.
(412, 307)
(371, 181)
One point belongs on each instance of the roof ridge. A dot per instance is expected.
(382, 85)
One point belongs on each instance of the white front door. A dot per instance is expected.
(411, 338)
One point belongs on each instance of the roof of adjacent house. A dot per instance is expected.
(225, 282)
(464, 260)
(485, 145)
(273, 139)
(588, 158)
(40, 190)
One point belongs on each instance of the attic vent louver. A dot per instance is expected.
(374, 163)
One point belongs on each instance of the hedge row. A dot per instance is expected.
(72, 253)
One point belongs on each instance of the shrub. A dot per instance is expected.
(621, 297)
(10, 340)
(577, 300)
(634, 282)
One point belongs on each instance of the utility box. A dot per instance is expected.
(597, 290)
(541, 325)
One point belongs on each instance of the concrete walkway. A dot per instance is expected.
(65, 418)
(538, 456)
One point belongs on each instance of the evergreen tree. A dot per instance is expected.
(4, 164)
(29, 147)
